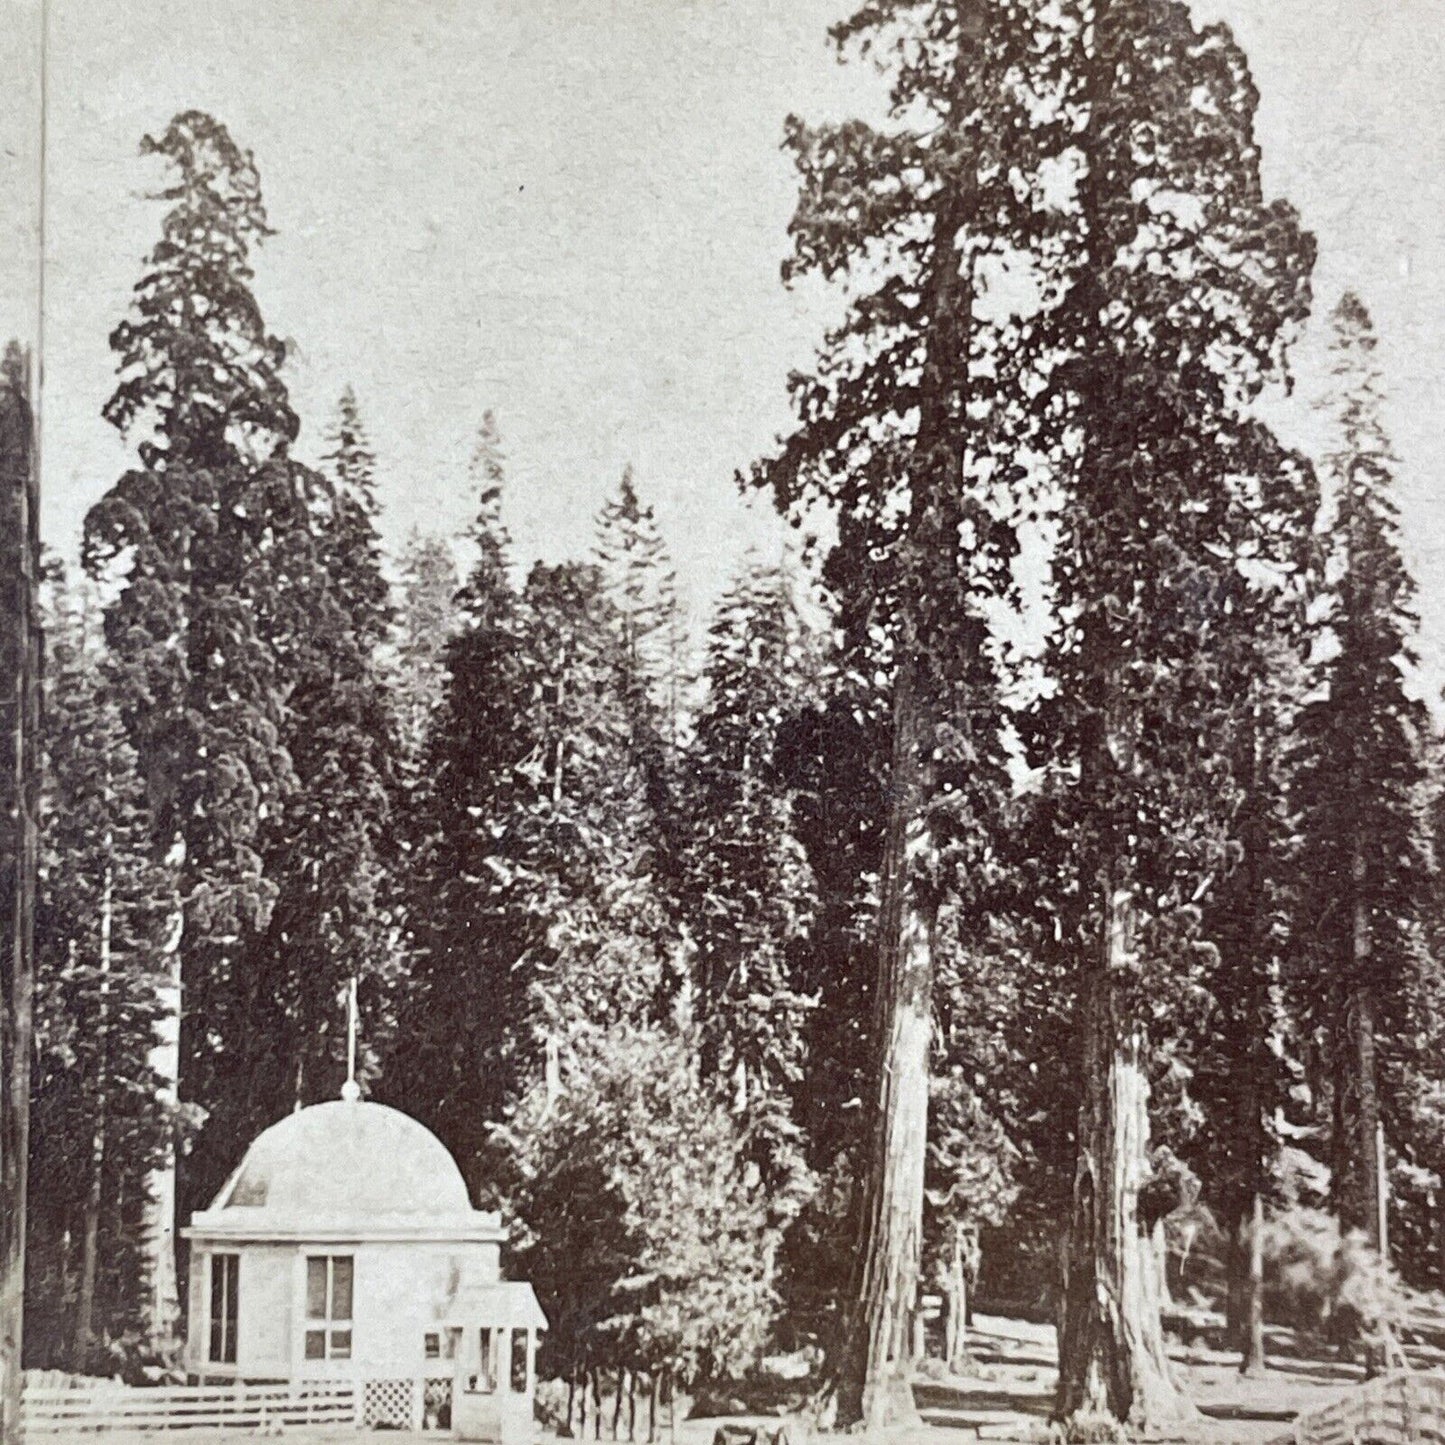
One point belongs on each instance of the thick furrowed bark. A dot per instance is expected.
(873, 1379)
(1111, 1353)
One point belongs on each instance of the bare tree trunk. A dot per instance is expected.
(596, 1403)
(1252, 1363)
(617, 1402)
(1362, 1121)
(90, 1239)
(1236, 1269)
(1367, 1121)
(631, 1405)
(873, 1384)
(972, 1272)
(85, 1309)
(1360, 1199)
(571, 1395)
(955, 1308)
(1160, 1241)
(160, 1214)
(1111, 1353)
(652, 1408)
(20, 662)
(1250, 1232)
(1437, 1209)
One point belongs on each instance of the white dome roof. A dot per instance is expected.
(346, 1160)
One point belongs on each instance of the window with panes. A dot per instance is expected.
(225, 1277)
(329, 1279)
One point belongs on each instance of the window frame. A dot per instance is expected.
(222, 1329)
(486, 1381)
(334, 1333)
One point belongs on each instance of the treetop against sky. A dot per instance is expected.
(575, 216)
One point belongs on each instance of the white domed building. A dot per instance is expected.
(345, 1246)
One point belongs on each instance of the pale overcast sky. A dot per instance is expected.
(574, 213)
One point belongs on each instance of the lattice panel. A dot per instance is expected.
(387, 1402)
(437, 1404)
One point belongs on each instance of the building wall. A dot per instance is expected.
(401, 1292)
(267, 1326)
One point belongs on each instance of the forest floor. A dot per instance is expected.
(1011, 1393)
(1007, 1398)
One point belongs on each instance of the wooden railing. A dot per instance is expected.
(110, 1406)
(1395, 1409)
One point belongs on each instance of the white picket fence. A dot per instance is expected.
(50, 1410)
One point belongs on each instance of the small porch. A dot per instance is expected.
(493, 1330)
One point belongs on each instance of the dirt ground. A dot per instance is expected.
(1011, 1394)
(1007, 1399)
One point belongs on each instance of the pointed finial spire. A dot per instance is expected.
(351, 1090)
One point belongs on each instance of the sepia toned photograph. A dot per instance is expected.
(723, 721)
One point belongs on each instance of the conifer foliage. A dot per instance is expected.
(633, 1284)
(768, 977)
(425, 617)
(904, 435)
(1359, 777)
(1182, 287)
(453, 1061)
(747, 889)
(98, 1126)
(328, 847)
(201, 538)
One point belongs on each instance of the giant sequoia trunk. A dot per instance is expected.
(873, 1381)
(19, 806)
(1111, 1353)
(873, 1387)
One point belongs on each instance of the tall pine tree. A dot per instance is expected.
(453, 1060)
(1177, 288)
(747, 889)
(426, 618)
(1358, 779)
(908, 434)
(328, 847)
(641, 585)
(198, 540)
(101, 1125)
